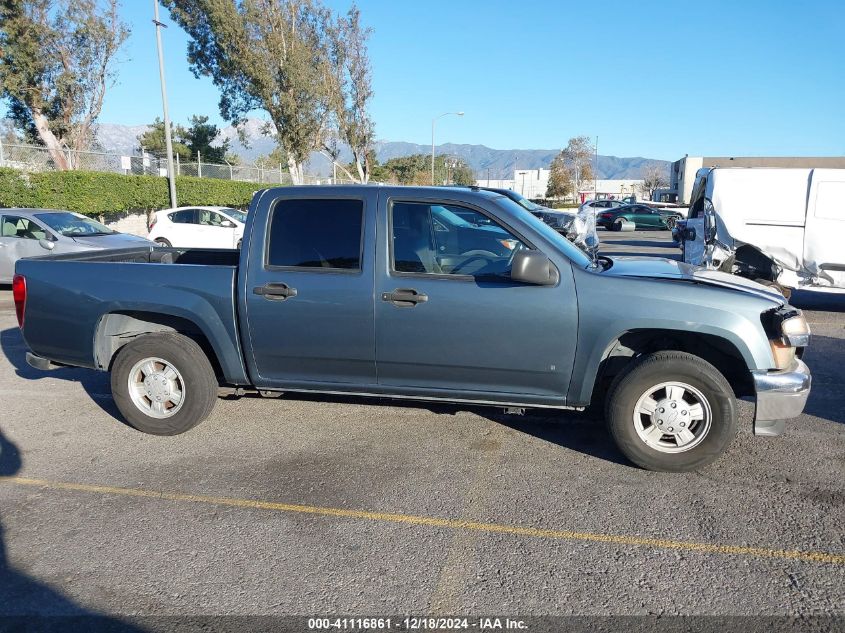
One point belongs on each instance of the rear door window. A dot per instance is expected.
(186, 216)
(321, 233)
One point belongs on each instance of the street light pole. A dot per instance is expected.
(433, 121)
(168, 141)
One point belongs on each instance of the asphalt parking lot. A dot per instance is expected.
(306, 506)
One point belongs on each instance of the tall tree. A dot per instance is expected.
(187, 141)
(350, 89)
(199, 136)
(416, 170)
(654, 177)
(57, 60)
(560, 183)
(153, 141)
(578, 160)
(265, 54)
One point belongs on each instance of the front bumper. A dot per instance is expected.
(780, 395)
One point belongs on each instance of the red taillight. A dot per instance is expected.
(19, 295)
(607, 215)
(153, 220)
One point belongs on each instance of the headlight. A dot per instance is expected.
(787, 330)
(796, 331)
(783, 353)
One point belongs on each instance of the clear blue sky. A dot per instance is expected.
(654, 79)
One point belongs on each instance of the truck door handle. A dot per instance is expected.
(275, 292)
(404, 297)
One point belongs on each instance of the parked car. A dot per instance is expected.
(678, 232)
(560, 221)
(359, 290)
(783, 227)
(33, 232)
(597, 206)
(198, 227)
(643, 217)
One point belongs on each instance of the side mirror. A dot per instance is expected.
(46, 244)
(533, 267)
(227, 224)
(709, 222)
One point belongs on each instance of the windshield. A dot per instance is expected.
(525, 203)
(240, 216)
(70, 225)
(578, 257)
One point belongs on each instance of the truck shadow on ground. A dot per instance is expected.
(825, 357)
(95, 383)
(576, 431)
(27, 604)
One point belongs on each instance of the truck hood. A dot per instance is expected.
(661, 268)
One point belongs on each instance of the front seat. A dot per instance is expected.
(10, 229)
(412, 248)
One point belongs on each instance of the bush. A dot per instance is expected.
(95, 193)
(553, 203)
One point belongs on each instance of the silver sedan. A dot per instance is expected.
(33, 232)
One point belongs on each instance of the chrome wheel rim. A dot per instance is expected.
(672, 417)
(156, 388)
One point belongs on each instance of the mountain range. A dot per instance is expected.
(485, 161)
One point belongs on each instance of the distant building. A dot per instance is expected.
(532, 183)
(682, 172)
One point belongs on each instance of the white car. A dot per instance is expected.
(198, 227)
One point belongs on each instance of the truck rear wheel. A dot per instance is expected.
(163, 383)
(671, 411)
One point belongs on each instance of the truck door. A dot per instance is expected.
(307, 293)
(450, 322)
(824, 234)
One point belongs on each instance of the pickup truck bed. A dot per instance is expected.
(444, 294)
(84, 295)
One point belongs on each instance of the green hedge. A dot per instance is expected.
(95, 193)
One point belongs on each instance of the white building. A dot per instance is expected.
(532, 183)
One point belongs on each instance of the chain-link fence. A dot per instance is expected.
(33, 158)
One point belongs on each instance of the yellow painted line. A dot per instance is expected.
(451, 524)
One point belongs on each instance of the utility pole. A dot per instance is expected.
(171, 177)
(596, 173)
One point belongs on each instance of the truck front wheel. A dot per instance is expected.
(163, 383)
(671, 411)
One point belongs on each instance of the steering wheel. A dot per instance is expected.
(467, 261)
(519, 246)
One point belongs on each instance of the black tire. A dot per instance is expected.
(163, 242)
(616, 226)
(199, 389)
(671, 221)
(652, 370)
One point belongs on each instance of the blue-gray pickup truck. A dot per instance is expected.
(442, 294)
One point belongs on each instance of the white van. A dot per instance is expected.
(782, 227)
